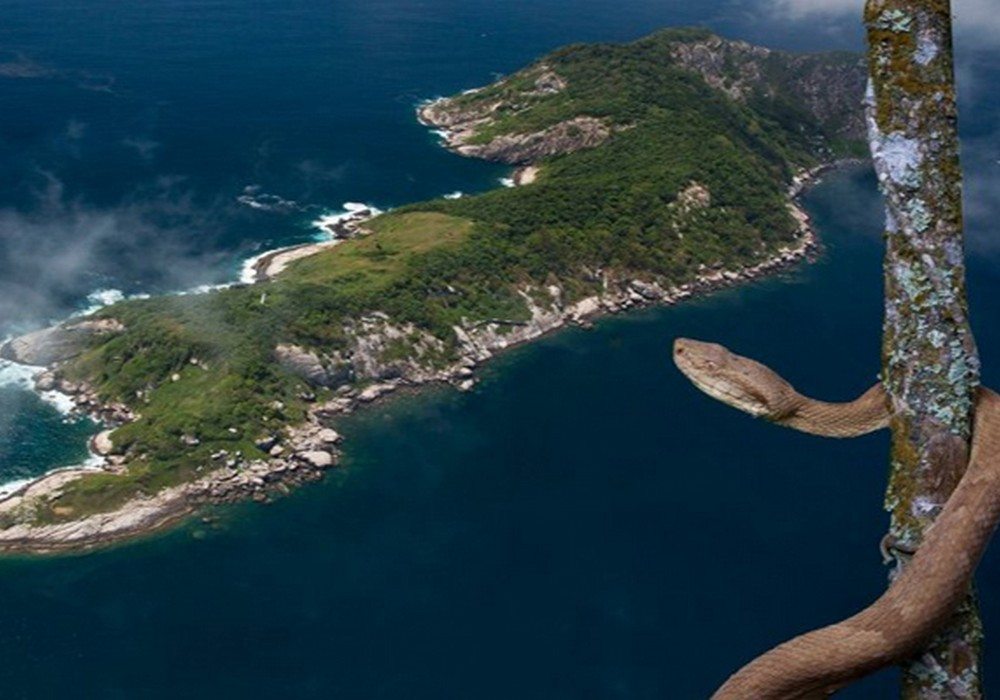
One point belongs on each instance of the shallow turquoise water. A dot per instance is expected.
(583, 525)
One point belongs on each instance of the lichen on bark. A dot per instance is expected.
(930, 363)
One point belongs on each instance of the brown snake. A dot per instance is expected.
(923, 597)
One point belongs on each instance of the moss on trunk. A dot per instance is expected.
(930, 363)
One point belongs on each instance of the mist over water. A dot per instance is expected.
(583, 525)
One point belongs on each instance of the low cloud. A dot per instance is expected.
(981, 164)
(17, 65)
(144, 147)
(975, 19)
(52, 257)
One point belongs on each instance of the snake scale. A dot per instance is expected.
(922, 597)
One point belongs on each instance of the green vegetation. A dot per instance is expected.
(201, 369)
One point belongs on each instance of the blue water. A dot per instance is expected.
(583, 525)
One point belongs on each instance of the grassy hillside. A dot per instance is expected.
(692, 176)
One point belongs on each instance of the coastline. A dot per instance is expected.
(338, 227)
(311, 448)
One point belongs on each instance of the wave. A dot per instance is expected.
(457, 194)
(100, 298)
(508, 182)
(248, 268)
(325, 226)
(254, 197)
(349, 210)
(23, 377)
(93, 463)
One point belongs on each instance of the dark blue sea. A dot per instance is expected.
(583, 525)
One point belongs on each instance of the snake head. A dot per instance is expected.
(735, 380)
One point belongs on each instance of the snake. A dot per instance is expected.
(923, 595)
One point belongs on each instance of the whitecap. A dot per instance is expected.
(254, 197)
(12, 487)
(248, 269)
(508, 182)
(349, 210)
(99, 299)
(457, 194)
(20, 376)
(93, 463)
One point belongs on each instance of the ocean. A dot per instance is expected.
(584, 524)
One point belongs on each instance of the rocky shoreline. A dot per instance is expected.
(305, 452)
(459, 129)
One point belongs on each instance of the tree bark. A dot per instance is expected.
(930, 363)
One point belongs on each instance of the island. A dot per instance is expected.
(645, 173)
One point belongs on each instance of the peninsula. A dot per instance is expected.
(646, 173)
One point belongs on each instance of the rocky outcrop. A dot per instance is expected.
(828, 88)
(377, 350)
(58, 344)
(329, 370)
(461, 120)
(521, 149)
(382, 350)
(734, 67)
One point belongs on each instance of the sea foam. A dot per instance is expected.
(348, 210)
(322, 225)
(23, 377)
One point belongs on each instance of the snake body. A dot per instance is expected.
(923, 597)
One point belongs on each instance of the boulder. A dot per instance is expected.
(310, 367)
(266, 443)
(328, 436)
(317, 458)
(102, 443)
(57, 344)
(45, 381)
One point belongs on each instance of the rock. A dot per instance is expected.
(57, 344)
(374, 391)
(645, 290)
(521, 149)
(585, 307)
(467, 385)
(266, 443)
(329, 436)
(317, 458)
(276, 451)
(549, 83)
(175, 377)
(45, 381)
(68, 387)
(190, 440)
(310, 367)
(102, 443)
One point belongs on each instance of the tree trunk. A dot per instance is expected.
(930, 363)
